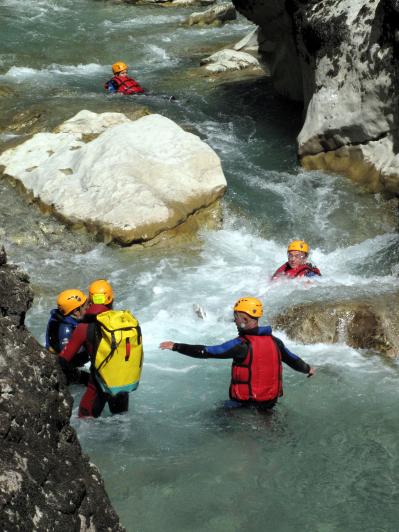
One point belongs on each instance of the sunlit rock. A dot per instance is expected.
(89, 123)
(249, 43)
(133, 182)
(215, 15)
(227, 60)
(340, 58)
(364, 324)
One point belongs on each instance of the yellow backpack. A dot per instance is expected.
(118, 358)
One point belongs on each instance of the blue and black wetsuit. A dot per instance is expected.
(58, 333)
(237, 350)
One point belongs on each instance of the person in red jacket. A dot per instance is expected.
(121, 82)
(256, 373)
(94, 399)
(297, 264)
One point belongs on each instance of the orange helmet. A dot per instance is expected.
(118, 67)
(298, 245)
(69, 300)
(250, 305)
(100, 292)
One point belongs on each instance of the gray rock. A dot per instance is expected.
(363, 324)
(215, 15)
(340, 59)
(46, 483)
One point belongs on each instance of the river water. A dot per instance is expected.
(326, 460)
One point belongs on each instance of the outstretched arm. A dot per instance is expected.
(232, 349)
(294, 361)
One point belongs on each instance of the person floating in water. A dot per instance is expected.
(121, 83)
(297, 265)
(256, 376)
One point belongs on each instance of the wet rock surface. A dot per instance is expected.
(340, 59)
(217, 16)
(150, 164)
(46, 483)
(371, 324)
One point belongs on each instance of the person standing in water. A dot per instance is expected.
(121, 82)
(256, 373)
(113, 340)
(297, 264)
(71, 306)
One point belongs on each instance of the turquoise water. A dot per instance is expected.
(326, 460)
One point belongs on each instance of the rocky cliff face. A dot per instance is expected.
(46, 483)
(341, 58)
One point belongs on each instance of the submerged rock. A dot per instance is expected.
(340, 59)
(46, 483)
(217, 15)
(133, 182)
(363, 324)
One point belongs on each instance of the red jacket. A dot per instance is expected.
(259, 377)
(79, 335)
(124, 85)
(305, 270)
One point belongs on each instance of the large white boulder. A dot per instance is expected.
(131, 183)
(89, 123)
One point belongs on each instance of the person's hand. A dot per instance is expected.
(166, 345)
(311, 372)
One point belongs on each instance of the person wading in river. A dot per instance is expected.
(71, 306)
(256, 375)
(121, 82)
(113, 340)
(297, 265)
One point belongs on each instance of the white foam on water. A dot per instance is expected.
(169, 369)
(141, 22)
(21, 74)
(155, 55)
(37, 8)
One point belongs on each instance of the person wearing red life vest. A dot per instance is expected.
(297, 265)
(256, 373)
(121, 83)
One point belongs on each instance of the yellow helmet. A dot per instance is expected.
(298, 245)
(69, 300)
(118, 67)
(100, 292)
(250, 305)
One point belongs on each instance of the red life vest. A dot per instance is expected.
(300, 271)
(125, 85)
(259, 377)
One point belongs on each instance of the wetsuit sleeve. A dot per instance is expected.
(76, 341)
(64, 334)
(291, 359)
(312, 274)
(235, 349)
(110, 86)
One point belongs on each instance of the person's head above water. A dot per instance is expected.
(119, 68)
(247, 311)
(298, 251)
(100, 292)
(71, 301)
